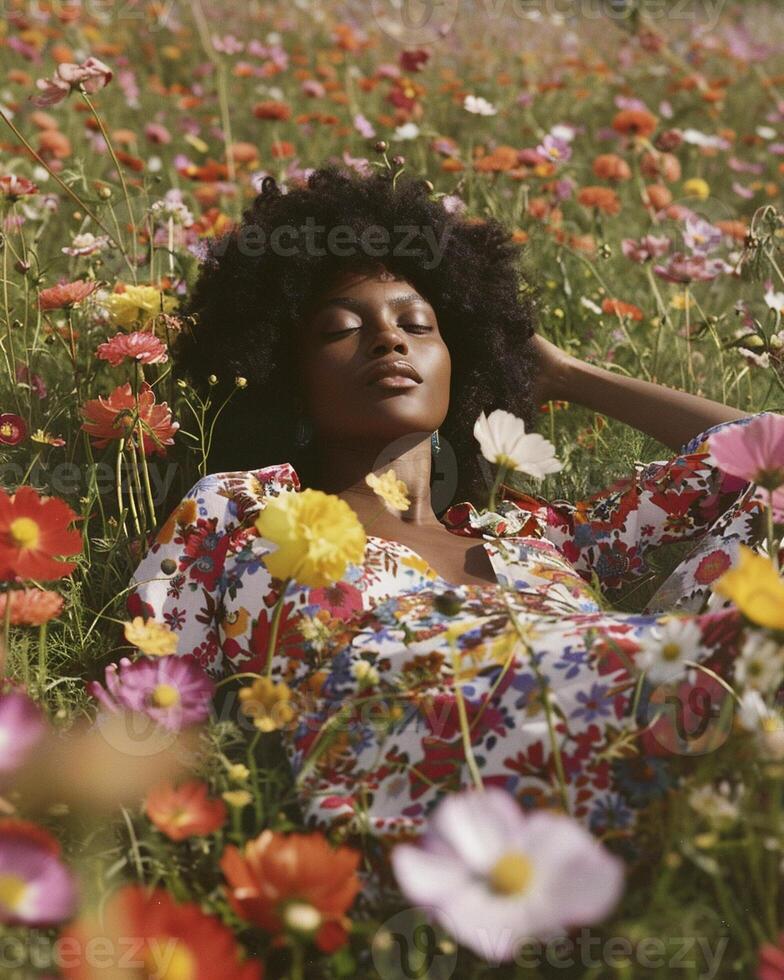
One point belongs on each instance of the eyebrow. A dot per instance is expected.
(354, 304)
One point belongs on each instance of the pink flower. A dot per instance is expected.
(14, 187)
(39, 889)
(21, 727)
(752, 450)
(172, 690)
(92, 75)
(140, 346)
(66, 294)
(682, 268)
(494, 875)
(649, 247)
(117, 417)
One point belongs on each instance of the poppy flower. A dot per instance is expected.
(13, 429)
(171, 940)
(66, 294)
(271, 109)
(634, 122)
(185, 811)
(116, 417)
(140, 346)
(602, 198)
(36, 888)
(31, 607)
(33, 529)
(279, 880)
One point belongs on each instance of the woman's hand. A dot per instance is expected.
(552, 372)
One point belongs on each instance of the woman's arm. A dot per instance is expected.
(672, 417)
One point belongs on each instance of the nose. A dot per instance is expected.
(388, 337)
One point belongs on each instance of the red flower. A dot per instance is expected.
(414, 60)
(770, 965)
(14, 187)
(275, 871)
(618, 307)
(140, 346)
(712, 566)
(12, 429)
(66, 294)
(185, 811)
(117, 417)
(33, 530)
(168, 940)
(31, 607)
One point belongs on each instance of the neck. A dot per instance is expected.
(343, 467)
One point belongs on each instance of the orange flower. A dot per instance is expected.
(619, 308)
(66, 294)
(171, 940)
(277, 871)
(33, 529)
(734, 228)
(270, 109)
(53, 143)
(634, 122)
(657, 196)
(609, 166)
(502, 158)
(116, 417)
(31, 607)
(282, 149)
(664, 165)
(602, 198)
(185, 811)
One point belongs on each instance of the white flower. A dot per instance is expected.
(775, 301)
(756, 717)
(664, 652)
(495, 875)
(504, 441)
(563, 131)
(761, 663)
(479, 106)
(715, 804)
(766, 132)
(697, 138)
(590, 305)
(408, 131)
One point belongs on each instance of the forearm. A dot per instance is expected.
(671, 416)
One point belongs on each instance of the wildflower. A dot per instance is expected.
(365, 673)
(185, 811)
(238, 773)
(495, 876)
(761, 663)
(715, 804)
(691, 268)
(237, 797)
(22, 727)
(390, 489)
(91, 75)
(33, 529)
(86, 244)
(31, 607)
(66, 294)
(770, 960)
(697, 187)
(609, 166)
(36, 888)
(701, 236)
(172, 206)
(617, 307)
(154, 639)
(268, 704)
(555, 149)
(40, 436)
(504, 441)
(13, 187)
(137, 305)
(140, 346)
(602, 198)
(753, 452)
(172, 690)
(756, 589)
(479, 106)
(275, 869)
(13, 429)
(116, 417)
(634, 122)
(317, 535)
(171, 940)
(663, 653)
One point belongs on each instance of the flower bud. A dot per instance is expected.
(212, 379)
(381, 146)
(241, 382)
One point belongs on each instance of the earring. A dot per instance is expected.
(303, 432)
(435, 445)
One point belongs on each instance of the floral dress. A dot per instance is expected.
(540, 666)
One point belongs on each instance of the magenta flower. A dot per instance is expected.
(139, 346)
(701, 236)
(495, 875)
(21, 727)
(36, 888)
(172, 690)
(92, 75)
(554, 149)
(753, 451)
(682, 268)
(649, 247)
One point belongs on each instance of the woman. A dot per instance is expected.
(354, 362)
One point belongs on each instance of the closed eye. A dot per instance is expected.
(418, 327)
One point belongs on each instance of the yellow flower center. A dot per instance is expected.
(771, 724)
(6, 430)
(670, 651)
(511, 874)
(12, 889)
(164, 965)
(25, 532)
(164, 696)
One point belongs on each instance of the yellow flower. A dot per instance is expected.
(268, 704)
(756, 589)
(390, 489)
(154, 639)
(317, 535)
(238, 773)
(137, 305)
(697, 187)
(678, 301)
(237, 797)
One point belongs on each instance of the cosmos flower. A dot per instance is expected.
(22, 726)
(13, 187)
(649, 247)
(36, 888)
(682, 268)
(666, 648)
(504, 441)
(479, 106)
(185, 811)
(753, 451)
(92, 75)
(33, 530)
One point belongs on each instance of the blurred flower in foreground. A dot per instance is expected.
(115, 417)
(390, 489)
(33, 529)
(21, 727)
(36, 888)
(317, 534)
(154, 639)
(770, 964)
(139, 346)
(185, 811)
(504, 441)
(666, 648)
(91, 74)
(756, 589)
(288, 880)
(31, 607)
(268, 704)
(753, 451)
(173, 942)
(173, 690)
(496, 876)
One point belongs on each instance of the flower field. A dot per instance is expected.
(149, 825)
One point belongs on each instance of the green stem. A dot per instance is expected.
(42, 655)
(465, 731)
(273, 638)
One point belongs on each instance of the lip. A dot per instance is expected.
(394, 374)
